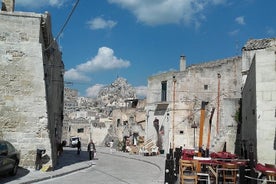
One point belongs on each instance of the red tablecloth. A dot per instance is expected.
(188, 154)
(223, 155)
(262, 168)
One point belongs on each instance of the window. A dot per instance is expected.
(160, 109)
(80, 130)
(131, 120)
(205, 87)
(164, 91)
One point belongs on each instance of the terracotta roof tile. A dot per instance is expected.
(256, 44)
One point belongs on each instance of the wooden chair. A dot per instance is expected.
(201, 176)
(270, 176)
(229, 172)
(187, 171)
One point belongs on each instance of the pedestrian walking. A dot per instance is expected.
(79, 147)
(91, 150)
(111, 146)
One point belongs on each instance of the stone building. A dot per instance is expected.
(174, 104)
(31, 84)
(70, 100)
(129, 122)
(259, 99)
(83, 119)
(114, 113)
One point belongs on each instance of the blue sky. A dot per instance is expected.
(135, 39)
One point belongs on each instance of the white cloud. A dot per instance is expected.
(157, 12)
(94, 90)
(240, 20)
(141, 91)
(104, 60)
(234, 32)
(100, 23)
(216, 2)
(39, 3)
(74, 75)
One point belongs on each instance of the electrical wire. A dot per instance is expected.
(64, 25)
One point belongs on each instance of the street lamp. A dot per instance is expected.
(194, 126)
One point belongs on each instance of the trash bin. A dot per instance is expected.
(38, 160)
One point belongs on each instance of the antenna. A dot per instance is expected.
(237, 47)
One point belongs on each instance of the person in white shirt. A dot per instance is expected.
(111, 146)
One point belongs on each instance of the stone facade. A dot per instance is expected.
(8, 5)
(98, 118)
(83, 119)
(259, 99)
(31, 85)
(129, 122)
(175, 98)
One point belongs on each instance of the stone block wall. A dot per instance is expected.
(259, 99)
(25, 113)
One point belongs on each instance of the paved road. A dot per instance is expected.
(112, 169)
(119, 167)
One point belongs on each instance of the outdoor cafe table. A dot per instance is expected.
(262, 169)
(214, 165)
(215, 162)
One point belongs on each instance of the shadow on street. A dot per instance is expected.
(5, 177)
(68, 157)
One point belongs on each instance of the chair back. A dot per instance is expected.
(230, 172)
(187, 171)
(270, 176)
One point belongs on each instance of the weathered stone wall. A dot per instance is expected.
(259, 99)
(127, 121)
(26, 113)
(192, 86)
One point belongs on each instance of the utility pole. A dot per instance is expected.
(174, 81)
(201, 126)
(219, 76)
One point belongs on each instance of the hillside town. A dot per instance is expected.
(227, 104)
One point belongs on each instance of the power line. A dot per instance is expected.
(64, 25)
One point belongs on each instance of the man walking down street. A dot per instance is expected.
(79, 147)
(91, 150)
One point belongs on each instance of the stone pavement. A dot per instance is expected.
(71, 162)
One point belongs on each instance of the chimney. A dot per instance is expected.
(8, 5)
(182, 63)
